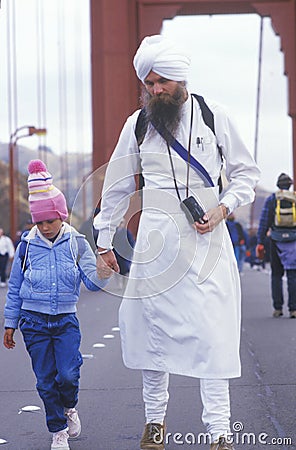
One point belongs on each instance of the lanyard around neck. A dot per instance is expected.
(183, 153)
(188, 157)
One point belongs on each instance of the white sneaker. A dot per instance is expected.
(2, 284)
(73, 422)
(60, 440)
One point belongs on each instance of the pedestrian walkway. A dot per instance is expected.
(110, 405)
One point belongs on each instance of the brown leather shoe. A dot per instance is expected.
(153, 437)
(222, 444)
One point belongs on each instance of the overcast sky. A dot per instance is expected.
(225, 53)
(224, 68)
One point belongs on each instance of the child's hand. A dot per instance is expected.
(8, 338)
(106, 264)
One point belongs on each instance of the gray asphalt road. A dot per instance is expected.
(110, 405)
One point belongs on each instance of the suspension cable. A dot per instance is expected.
(41, 80)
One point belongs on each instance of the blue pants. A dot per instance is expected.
(53, 344)
(3, 267)
(277, 273)
(240, 255)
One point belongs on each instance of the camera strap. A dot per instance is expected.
(188, 157)
(174, 175)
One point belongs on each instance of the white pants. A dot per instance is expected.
(214, 395)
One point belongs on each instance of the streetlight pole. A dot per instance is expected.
(14, 137)
(252, 210)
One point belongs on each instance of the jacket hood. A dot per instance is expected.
(33, 232)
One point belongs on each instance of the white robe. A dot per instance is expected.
(181, 308)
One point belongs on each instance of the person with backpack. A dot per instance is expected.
(49, 264)
(278, 219)
(180, 313)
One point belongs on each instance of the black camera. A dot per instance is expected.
(193, 210)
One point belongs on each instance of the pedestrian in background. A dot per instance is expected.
(123, 244)
(278, 219)
(6, 254)
(255, 262)
(239, 239)
(181, 307)
(44, 287)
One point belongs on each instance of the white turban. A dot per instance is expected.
(163, 57)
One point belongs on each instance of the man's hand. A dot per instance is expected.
(213, 217)
(106, 264)
(8, 338)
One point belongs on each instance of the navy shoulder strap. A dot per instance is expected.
(199, 168)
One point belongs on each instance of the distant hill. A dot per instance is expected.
(67, 170)
(68, 174)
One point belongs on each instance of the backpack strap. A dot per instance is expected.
(23, 254)
(206, 113)
(208, 118)
(141, 127)
(23, 251)
(140, 132)
(81, 247)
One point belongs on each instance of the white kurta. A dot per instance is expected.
(181, 308)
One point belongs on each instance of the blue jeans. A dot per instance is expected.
(277, 273)
(53, 345)
(240, 255)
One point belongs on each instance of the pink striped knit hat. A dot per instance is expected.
(46, 202)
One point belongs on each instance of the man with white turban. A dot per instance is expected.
(180, 312)
(163, 57)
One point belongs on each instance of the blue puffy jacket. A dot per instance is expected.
(50, 282)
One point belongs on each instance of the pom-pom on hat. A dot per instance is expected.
(46, 202)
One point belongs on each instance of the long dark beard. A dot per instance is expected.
(164, 110)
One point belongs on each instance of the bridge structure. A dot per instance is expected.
(118, 26)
